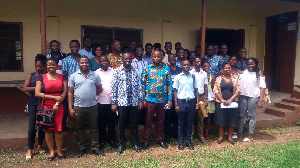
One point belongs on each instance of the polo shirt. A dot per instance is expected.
(84, 88)
(185, 85)
(86, 53)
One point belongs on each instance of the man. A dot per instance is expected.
(87, 50)
(180, 56)
(168, 49)
(216, 51)
(138, 62)
(213, 60)
(202, 92)
(84, 86)
(132, 48)
(157, 46)
(198, 51)
(105, 115)
(127, 99)
(186, 101)
(70, 63)
(157, 91)
(115, 57)
(223, 56)
(148, 55)
(171, 115)
(177, 46)
(55, 53)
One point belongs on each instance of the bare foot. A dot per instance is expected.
(29, 154)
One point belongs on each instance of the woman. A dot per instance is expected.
(210, 109)
(241, 64)
(94, 62)
(29, 86)
(252, 92)
(52, 87)
(226, 89)
(233, 62)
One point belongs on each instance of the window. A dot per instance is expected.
(104, 36)
(11, 46)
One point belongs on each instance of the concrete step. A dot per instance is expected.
(289, 106)
(288, 115)
(267, 120)
(292, 100)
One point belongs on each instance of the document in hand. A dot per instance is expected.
(210, 96)
(231, 105)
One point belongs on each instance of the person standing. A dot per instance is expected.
(105, 72)
(132, 48)
(87, 50)
(55, 53)
(29, 86)
(157, 91)
(138, 62)
(84, 86)
(186, 99)
(148, 56)
(95, 62)
(241, 63)
(115, 57)
(168, 51)
(213, 60)
(223, 55)
(127, 99)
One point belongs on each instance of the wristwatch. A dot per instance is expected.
(56, 104)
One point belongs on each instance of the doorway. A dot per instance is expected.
(280, 51)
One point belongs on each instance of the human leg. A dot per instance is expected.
(59, 139)
(31, 130)
(181, 122)
(189, 120)
(149, 121)
(252, 106)
(242, 114)
(92, 117)
(49, 136)
(101, 123)
(160, 117)
(80, 119)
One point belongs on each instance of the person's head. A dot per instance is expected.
(148, 48)
(156, 46)
(116, 45)
(192, 56)
(74, 46)
(242, 53)
(132, 45)
(210, 50)
(162, 52)
(187, 53)
(139, 51)
(40, 62)
(97, 50)
(185, 65)
(232, 61)
(205, 65)
(84, 63)
(51, 64)
(181, 54)
(87, 42)
(198, 50)
(168, 47)
(177, 46)
(197, 62)
(127, 59)
(172, 59)
(55, 46)
(156, 57)
(224, 49)
(216, 51)
(252, 65)
(104, 62)
(124, 49)
(227, 68)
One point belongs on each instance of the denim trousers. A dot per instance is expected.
(250, 104)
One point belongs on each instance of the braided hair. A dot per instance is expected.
(40, 58)
(257, 70)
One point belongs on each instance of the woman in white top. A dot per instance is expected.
(252, 91)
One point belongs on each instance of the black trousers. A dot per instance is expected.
(106, 119)
(171, 116)
(128, 114)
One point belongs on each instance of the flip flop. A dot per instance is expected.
(28, 157)
(248, 140)
(219, 141)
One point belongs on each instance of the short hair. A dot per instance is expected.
(123, 48)
(139, 46)
(162, 51)
(85, 37)
(222, 45)
(131, 41)
(157, 45)
(83, 56)
(94, 49)
(74, 41)
(177, 43)
(203, 61)
(53, 59)
(115, 40)
(54, 41)
(148, 44)
(40, 58)
(168, 43)
(210, 45)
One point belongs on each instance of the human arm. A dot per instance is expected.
(237, 90)
(114, 91)
(262, 86)
(26, 85)
(40, 94)
(177, 108)
(197, 98)
(70, 101)
(143, 83)
(217, 91)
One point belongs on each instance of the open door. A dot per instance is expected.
(280, 51)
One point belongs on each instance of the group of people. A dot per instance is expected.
(88, 86)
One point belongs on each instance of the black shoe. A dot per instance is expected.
(163, 144)
(98, 152)
(112, 144)
(80, 153)
(102, 145)
(180, 146)
(120, 149)
(146, 145)
(137, 148)
(190, 146)
(167, 139)
(202, 139)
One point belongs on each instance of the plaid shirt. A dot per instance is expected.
(70, 65)
(214, 65)
(126, 89)
(241, 65)
(222, 61)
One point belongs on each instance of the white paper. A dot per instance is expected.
(210, 96)
(231, 105)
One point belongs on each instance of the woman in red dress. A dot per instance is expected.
(52, 87)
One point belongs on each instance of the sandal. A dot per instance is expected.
(231, 142)
(219, 141)
(51, 158)
(248, 140)
(28, 157)
(62, 157)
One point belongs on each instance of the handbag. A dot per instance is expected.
(44, 118)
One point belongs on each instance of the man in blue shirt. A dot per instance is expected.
(70, 63)
(157, 91)
(148, 55)
(213, 60)
(186, 99)
(87, 50)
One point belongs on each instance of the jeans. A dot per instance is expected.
(250, 104)
(32, 107)
(106, 119)
(186, 116)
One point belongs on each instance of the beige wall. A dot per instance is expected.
(161, 21)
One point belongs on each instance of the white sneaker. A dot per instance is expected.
(247, 140)
(234, 136)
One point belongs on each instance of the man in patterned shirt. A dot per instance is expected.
(70, 63)
(127, 97)
(223, 55)
(115, 57)
(213, 60)
(157, 91)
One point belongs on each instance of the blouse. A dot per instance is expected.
(236, 86)
(250, 85)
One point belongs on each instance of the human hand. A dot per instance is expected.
(58, 99)
(55, 109)
(145, 104)
(114, 107)
(197, 106)
(72, 112)
(169, 104)
(177, 109)
(260, 104)
(228, 102)
(140, 106)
